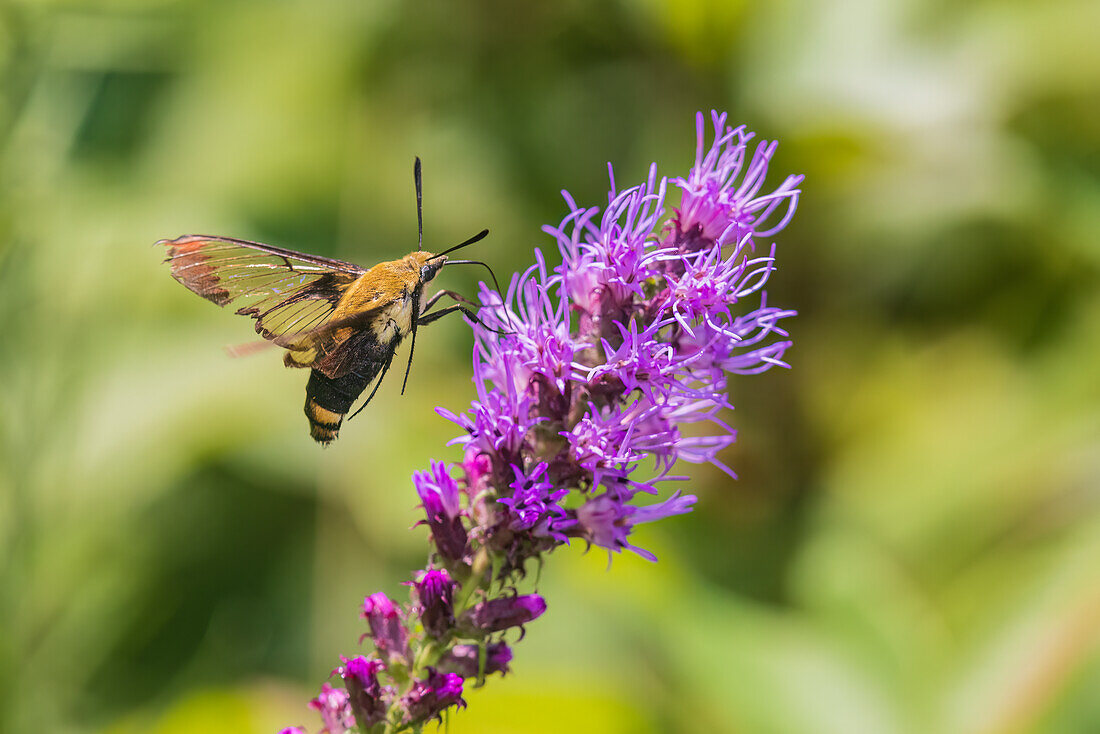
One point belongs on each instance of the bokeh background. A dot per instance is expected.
(913, 545)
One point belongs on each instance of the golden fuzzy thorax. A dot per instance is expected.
(388, 287)
(385, 291)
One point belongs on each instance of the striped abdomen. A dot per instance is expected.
(328, 399)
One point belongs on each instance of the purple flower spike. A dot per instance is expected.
(595, 379)
(335, 710)
(386, 628)
(464, 659)
(495, 615)
(440, 497)
(430, 696)
(435, 591)
(365, 694)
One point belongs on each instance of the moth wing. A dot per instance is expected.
(329, 347)
(288, 293)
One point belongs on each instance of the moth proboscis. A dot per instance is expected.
(342, 321)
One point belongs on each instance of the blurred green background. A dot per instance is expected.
(913, 546)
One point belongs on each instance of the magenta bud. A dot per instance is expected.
(334, 707)
(476, 466)
(386, 628)
(363, 689)
(429, 696)
(463, 659)
(500, 614)
(435, 591)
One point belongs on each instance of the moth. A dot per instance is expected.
(340, 320)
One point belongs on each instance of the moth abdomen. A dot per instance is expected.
(324, 425)
(329, 399)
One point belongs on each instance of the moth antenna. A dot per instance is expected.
(419, 205)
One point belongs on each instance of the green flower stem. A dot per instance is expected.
(482, 562)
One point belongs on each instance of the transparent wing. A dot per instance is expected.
(287, 293)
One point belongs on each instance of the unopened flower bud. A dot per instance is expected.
(435, 591)
(386, 628)
(495, 615)
(332, 704)
(465, 660)
(429, 696)
(364, 692)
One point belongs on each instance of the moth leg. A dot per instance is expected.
(432, 301)
(426, 319)
(452, 294)
(436, 315)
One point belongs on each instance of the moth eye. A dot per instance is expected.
(429, 271)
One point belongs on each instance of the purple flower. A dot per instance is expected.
(602, 440)
(538, 335)
(440, 497)
(744, 357)
(477, 468)
(501, 419)
(465, 659)
(428, 697)
(335, 710)
(364, 692)
(495, 615)
(606, 521)
(721, 196)
(435, 592)
(702, 286)
(606, 267)
(386, 628)
(292, 730)
(532, 503)
(640, 361)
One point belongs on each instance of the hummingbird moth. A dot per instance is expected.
(342, 321)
